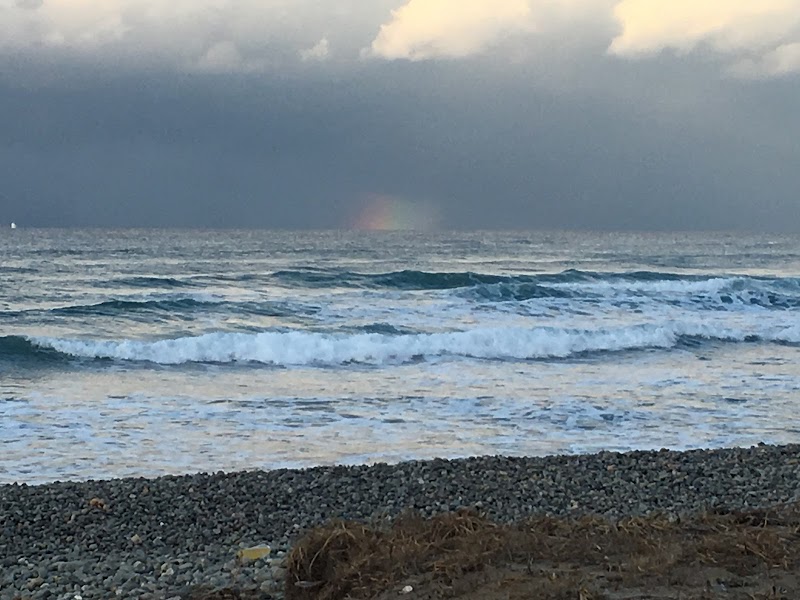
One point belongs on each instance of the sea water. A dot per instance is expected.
(147, 352)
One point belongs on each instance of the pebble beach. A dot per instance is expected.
(170, 536)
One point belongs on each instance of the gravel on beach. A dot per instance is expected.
(162, 538)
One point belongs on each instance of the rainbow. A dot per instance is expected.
(383, 212)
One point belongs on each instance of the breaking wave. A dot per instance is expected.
(297, 348)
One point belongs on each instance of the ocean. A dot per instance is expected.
(151, 352)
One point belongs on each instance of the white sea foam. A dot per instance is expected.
(717, 293)
(307, 348)
(714, 285)
(199, 297)
(789, 335)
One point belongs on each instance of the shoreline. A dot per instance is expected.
(156, 538)
(546, 459)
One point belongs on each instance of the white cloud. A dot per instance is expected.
(757, 35)
(783, 60)
(750, 38)
(651, 25)
(424, 29)
(319, 51)
(78, 24)
(211, 35)
(753, 37)
(225, 57)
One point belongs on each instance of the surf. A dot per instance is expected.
(304, 348)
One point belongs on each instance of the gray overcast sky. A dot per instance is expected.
(607, 114)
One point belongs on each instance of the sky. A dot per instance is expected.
(422, 114)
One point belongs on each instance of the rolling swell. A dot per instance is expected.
(171, 307)
(149, 282)
(714, 292)
(299, 348)
(399, 280)
(422, 280)
(428, 280)
(112, 307)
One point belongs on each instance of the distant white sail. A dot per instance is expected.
(13, 226)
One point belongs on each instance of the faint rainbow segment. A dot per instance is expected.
(382, 213)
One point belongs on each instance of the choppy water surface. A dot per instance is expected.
(151, 352)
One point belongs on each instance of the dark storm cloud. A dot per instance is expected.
(595, 143)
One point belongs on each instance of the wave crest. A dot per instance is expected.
(297, 348)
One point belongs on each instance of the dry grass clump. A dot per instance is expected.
(753, 555)
(735, 555)
(347, 559)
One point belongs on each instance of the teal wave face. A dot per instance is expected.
(516, 292)
(17, 349)
(167, 308)
(421, 280)
(111, 307)
(399, 280)
(151, 282)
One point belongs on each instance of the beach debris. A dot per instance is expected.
(407, 589)
(136, 539)
(253, 553)
(307, 584)
(98, 503)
